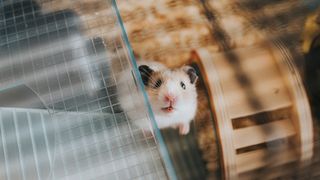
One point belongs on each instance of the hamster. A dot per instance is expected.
(172, 95)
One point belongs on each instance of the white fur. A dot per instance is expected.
(185, 108)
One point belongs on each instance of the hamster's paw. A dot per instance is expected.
(184, 128)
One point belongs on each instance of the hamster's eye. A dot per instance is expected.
(158, 83)
(182, 85)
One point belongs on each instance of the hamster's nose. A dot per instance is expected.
(170, 98)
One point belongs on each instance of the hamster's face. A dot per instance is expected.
(170, 91)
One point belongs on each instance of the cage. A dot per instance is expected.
(60, 73)
(60, 117)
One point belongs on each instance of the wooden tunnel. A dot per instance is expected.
(261, 110)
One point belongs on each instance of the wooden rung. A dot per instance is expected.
(267, 104)
(266, 87)
(270, 93)
(253, 135)
(260, 158)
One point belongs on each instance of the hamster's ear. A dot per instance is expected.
(191, 73)
(145, 72)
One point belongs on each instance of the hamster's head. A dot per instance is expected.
(171, 91)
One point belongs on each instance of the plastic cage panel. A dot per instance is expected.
(59, 115)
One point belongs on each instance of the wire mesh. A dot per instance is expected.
(76, 128)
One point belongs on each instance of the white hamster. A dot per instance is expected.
(171, 92)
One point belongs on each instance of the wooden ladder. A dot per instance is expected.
(257, 102)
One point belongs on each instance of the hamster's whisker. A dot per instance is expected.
(146, 72)
(154, 80)
(149, 76)
(153, 91)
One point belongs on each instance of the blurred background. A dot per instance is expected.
(258, 91)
